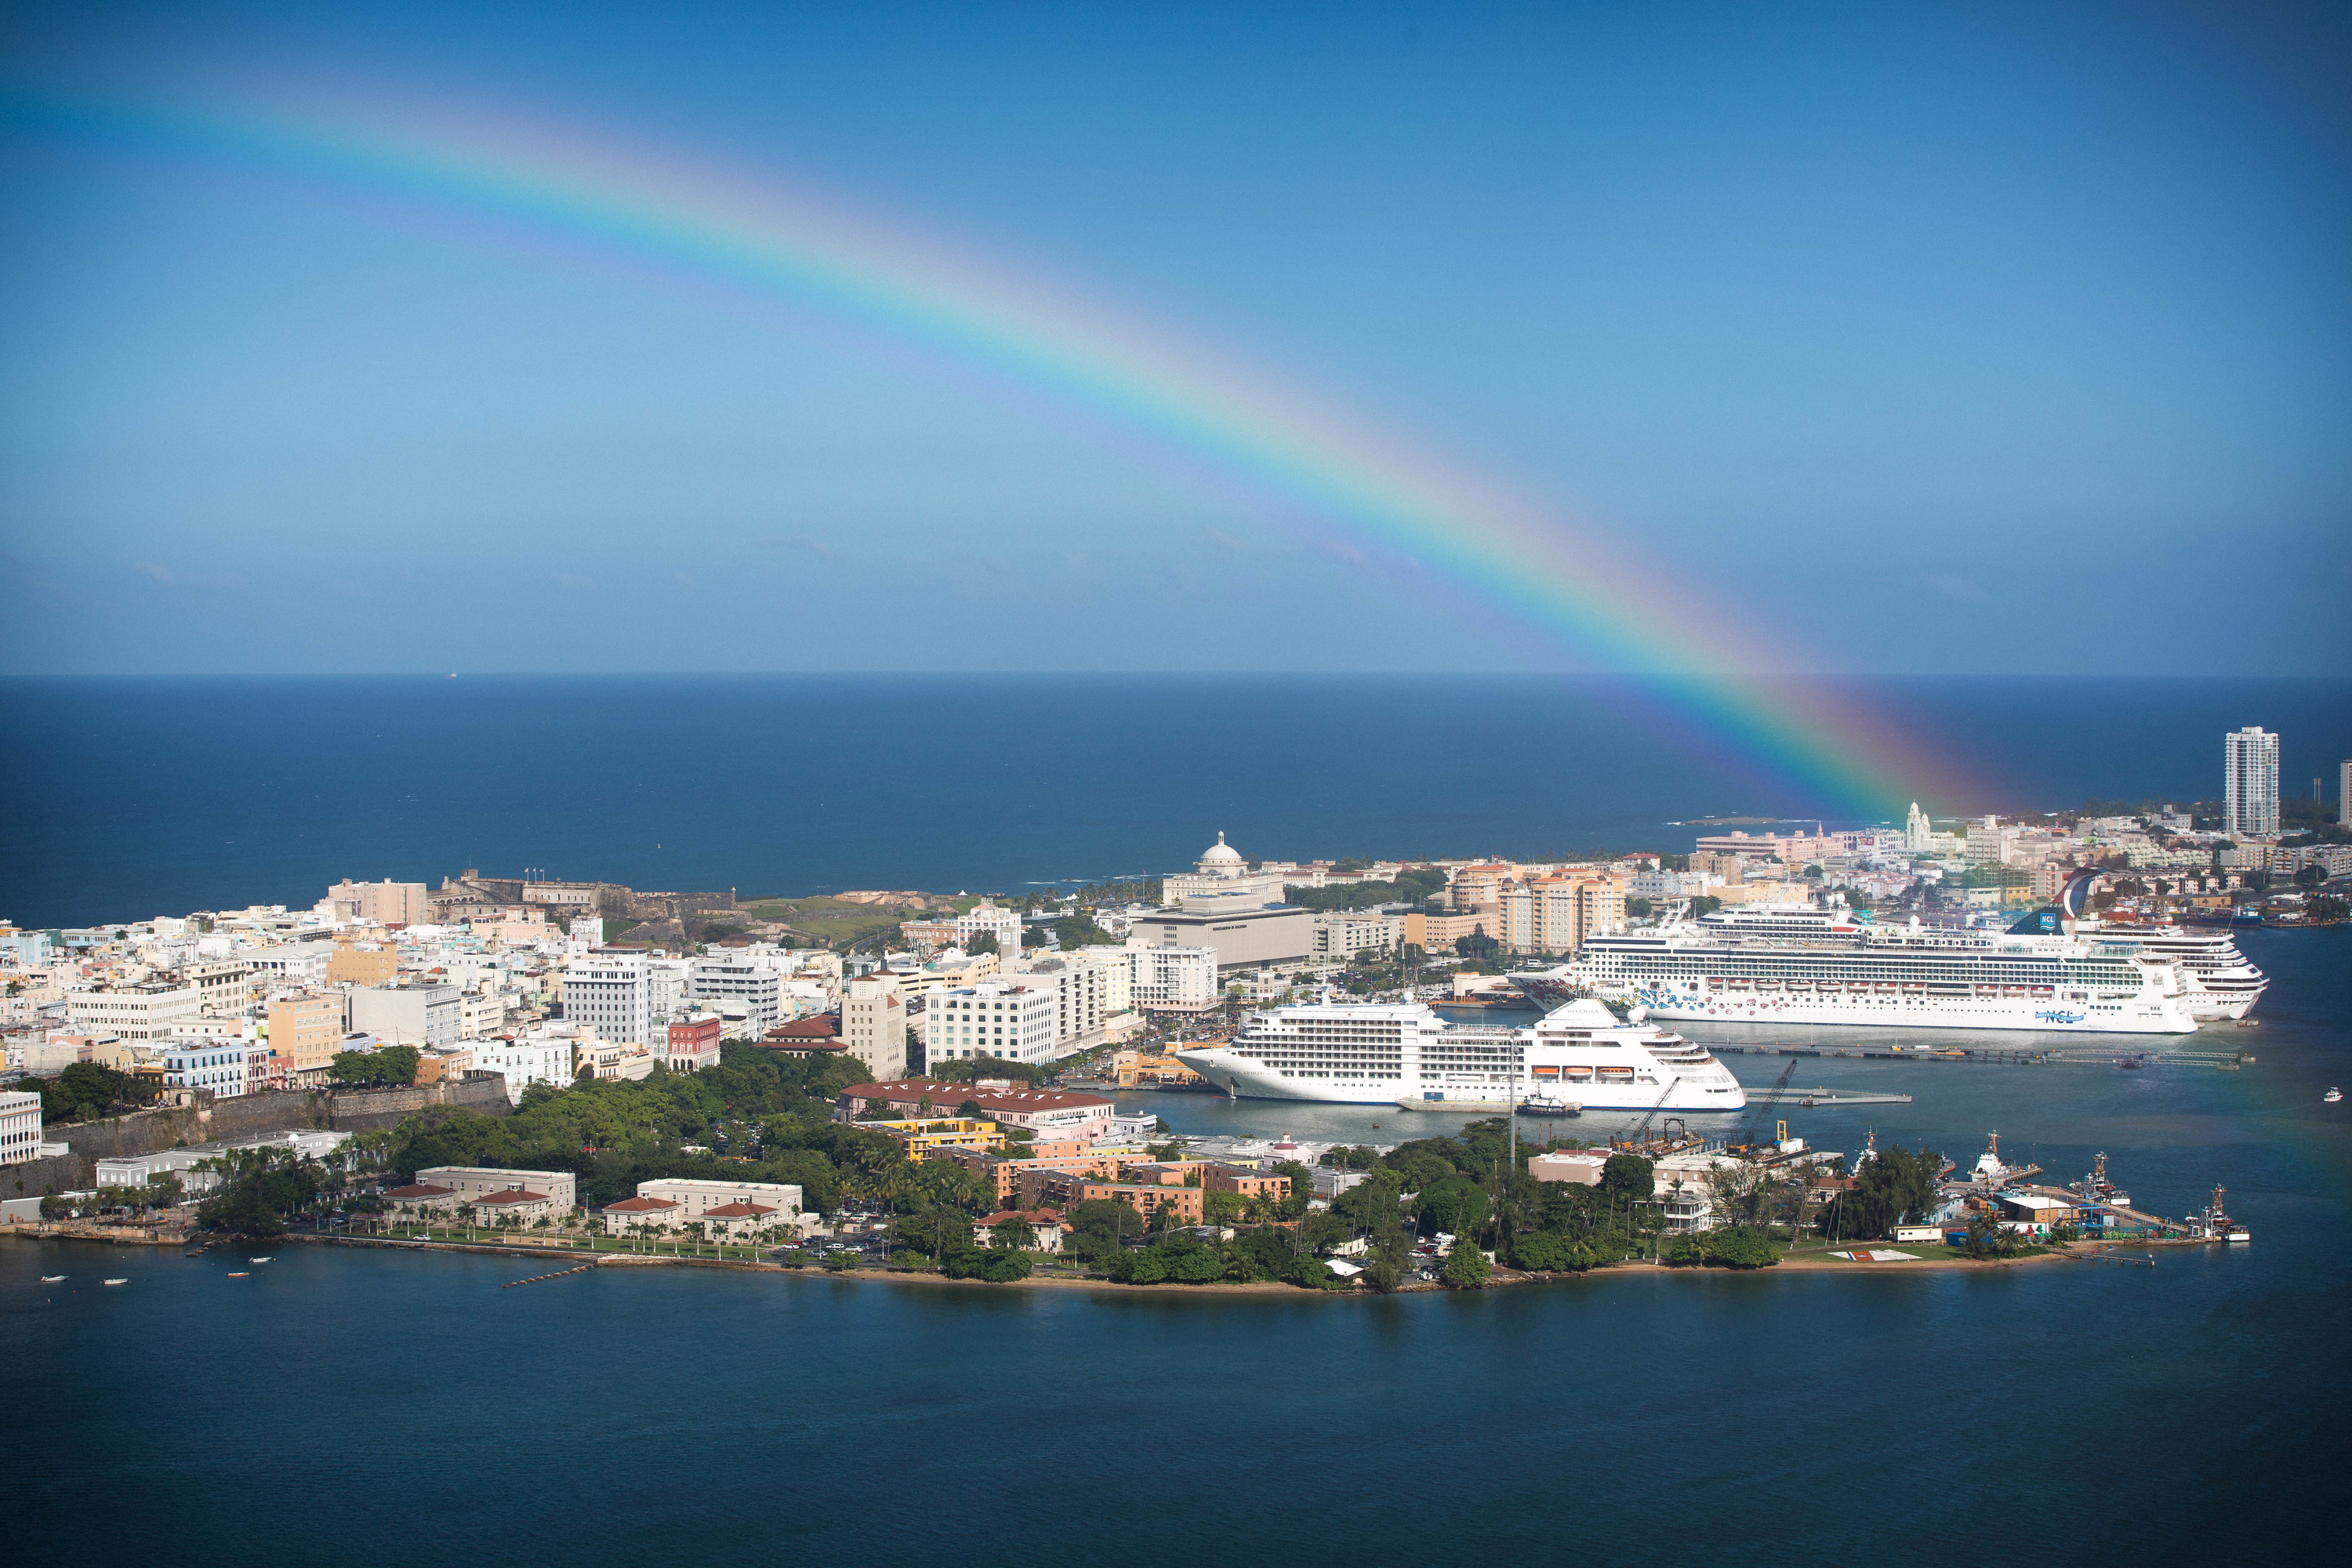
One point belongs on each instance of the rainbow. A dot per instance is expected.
(693, 219)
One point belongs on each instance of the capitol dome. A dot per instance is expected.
(1222, 857)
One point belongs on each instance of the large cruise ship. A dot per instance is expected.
(1803, 966)
(2224, 982)
(1404, 1054)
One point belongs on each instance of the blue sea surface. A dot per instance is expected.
(386, 1408)
(128, 798)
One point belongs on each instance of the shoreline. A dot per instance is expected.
(1502, 1279)
(1803, 1263)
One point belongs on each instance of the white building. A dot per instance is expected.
(1222, 870)
(1003, 925)
(472, 1182)
(697, 1199)
(752, 982)
(1017, 1021)
(20, 1127)
(1341, 934)
(302, 964)
(542, 1055)
(1171, 978)
(2250, 782)
(1244, 932)
(430, 1017)
(610, 993)
(1091, 988)
(1917, 833)
(217, 1065)
(142, 1012)
(874, 1024)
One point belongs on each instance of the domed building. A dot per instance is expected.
(1222, 859)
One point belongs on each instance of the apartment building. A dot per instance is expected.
(148, 1011)
(305, 1032)
(752, 982)
(425, 1017)
(381, 903)
(608, 993)
(216, 1065)
(874, 1025)
(1017, 1021)
(1164, 979)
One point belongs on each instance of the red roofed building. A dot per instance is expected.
(650, 1214)
(421, 1195)
(512, 1206)
(817, 1038)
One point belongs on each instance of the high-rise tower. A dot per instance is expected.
(2250, 782)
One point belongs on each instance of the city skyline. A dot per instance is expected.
(1836, 376)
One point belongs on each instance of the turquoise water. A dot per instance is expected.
(347, 1406)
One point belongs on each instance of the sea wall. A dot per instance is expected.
(245, 1116)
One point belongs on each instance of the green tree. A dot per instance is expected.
(390, 1064)
(1013, 1234)
(1466, 1268)
(1628, 1176)
(1741, 1247)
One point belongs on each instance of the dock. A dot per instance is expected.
(1812, 1097)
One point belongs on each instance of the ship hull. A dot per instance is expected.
(1832, 1010)
(1246, 1078)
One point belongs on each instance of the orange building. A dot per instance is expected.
(1147, 1199)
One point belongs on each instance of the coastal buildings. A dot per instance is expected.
(752, 982)
(738, 1205)
(2250, 782)
(471, 1183)
(143, 1011)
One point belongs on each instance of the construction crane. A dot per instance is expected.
(1642, 1133)
(1739, 1140)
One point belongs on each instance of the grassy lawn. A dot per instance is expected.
(557, 1245)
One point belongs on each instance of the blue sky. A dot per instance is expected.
(1967, 339)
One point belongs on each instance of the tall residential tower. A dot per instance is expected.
(2250, 782)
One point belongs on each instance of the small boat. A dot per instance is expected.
(53, 1279)
(1544, 1105)
(260, 1260)
(2332, 1096)
(118, 1282)
(240, 1274)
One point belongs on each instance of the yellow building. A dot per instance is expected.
(1132, 1068)
(306, 1031)
(928, 1135)
(372, 963)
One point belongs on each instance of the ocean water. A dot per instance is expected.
(346, 1405)
(124, 799)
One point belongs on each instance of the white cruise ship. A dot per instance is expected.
(1404, 1054)
(2224, 984)
(1802, 966)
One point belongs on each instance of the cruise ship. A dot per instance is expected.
(1403, 1054)
(1793, 966)
(2224, 984)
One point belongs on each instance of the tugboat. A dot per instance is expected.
(1542, 1104)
